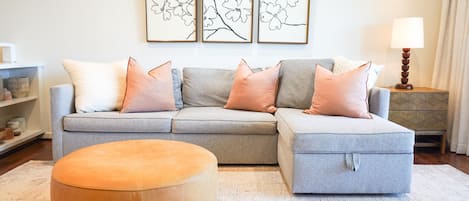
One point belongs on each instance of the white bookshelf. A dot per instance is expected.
(27, 107)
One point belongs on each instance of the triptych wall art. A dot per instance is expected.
(171, 20)
(227, 21)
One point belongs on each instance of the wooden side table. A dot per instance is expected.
(422, 109)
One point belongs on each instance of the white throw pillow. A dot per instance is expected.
(98, 86)
(342, 65)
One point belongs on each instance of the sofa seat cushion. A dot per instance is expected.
(154, 122)
(217, 120)
(304, 133)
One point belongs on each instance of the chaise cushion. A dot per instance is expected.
(153, 122)
(305, 133)
(217, 120)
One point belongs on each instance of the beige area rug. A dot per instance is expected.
(30, 182)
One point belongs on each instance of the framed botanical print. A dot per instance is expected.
(227, 21)
(171, 20)
(283, 21)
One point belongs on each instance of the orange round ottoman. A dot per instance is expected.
(136, 170)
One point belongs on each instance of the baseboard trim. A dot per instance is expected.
(47, 135)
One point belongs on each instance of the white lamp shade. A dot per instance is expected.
(407, 33)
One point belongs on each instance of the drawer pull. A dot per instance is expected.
(353, 161)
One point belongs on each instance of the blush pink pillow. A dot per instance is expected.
(148, 92)
(254, 91)
(342, 94)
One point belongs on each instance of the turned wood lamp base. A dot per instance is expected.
(405, 71)
(404, 86)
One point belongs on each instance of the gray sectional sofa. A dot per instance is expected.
(316, 153)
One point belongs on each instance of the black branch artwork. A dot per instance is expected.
(216, 19)
(276, 13)
(176, 9)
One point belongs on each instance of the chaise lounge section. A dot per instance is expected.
(324, 154)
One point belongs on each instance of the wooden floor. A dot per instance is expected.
(42, 150)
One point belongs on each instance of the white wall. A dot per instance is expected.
(48, 31)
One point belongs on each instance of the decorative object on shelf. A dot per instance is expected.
(19, 86)
(8, 53)
(407, 33)
(18, 125)
(2, 133)
(1, 89)
(227, 21)
(171, 20)
(15, 126)
(7, 94)
(8, 134)
(283, 21)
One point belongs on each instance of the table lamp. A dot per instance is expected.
(407, 33)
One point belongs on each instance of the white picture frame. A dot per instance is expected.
(171, 20)
(227, 21)
(283, 21)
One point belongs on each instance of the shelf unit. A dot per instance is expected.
(27, 107)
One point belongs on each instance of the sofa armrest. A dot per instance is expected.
(61, 104)
(379, 101)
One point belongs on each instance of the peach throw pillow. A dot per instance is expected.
(254, 91)
(148, 92)
(342, 94)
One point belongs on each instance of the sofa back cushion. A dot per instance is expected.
(296, 86)
(206, 87)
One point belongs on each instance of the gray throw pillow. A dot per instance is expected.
(296, 82)
(206, 87)
(177, 85)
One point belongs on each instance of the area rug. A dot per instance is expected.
(30, 182)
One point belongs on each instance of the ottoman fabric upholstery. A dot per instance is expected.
(223, 121)
(159, 122)
(136, 170)
(331, 173)
(343, 155)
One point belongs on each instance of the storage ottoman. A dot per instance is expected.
(334, 154)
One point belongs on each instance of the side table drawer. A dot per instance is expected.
(420, 120)
(419, 101)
